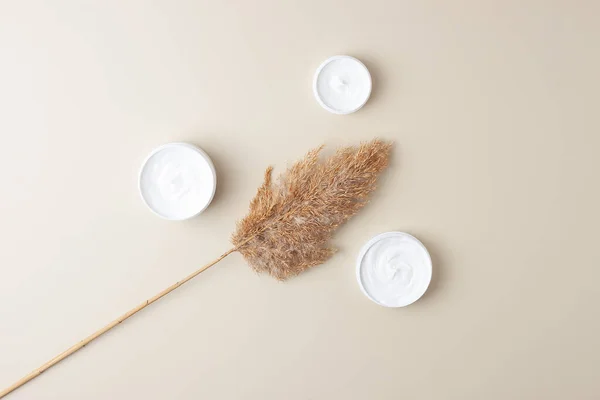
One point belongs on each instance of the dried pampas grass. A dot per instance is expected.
(291, 222)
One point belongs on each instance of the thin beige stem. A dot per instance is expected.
(108, 327)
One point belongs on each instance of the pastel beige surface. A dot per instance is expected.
(493, 106)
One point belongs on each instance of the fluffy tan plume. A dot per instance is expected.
(291, 222)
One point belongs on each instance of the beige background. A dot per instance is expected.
(494, 109)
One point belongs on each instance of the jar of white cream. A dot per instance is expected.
(342, 84)
(394, 269)
(177, 181)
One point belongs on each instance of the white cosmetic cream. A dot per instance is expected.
(394, 269)
(342, 84)
(177, 181)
